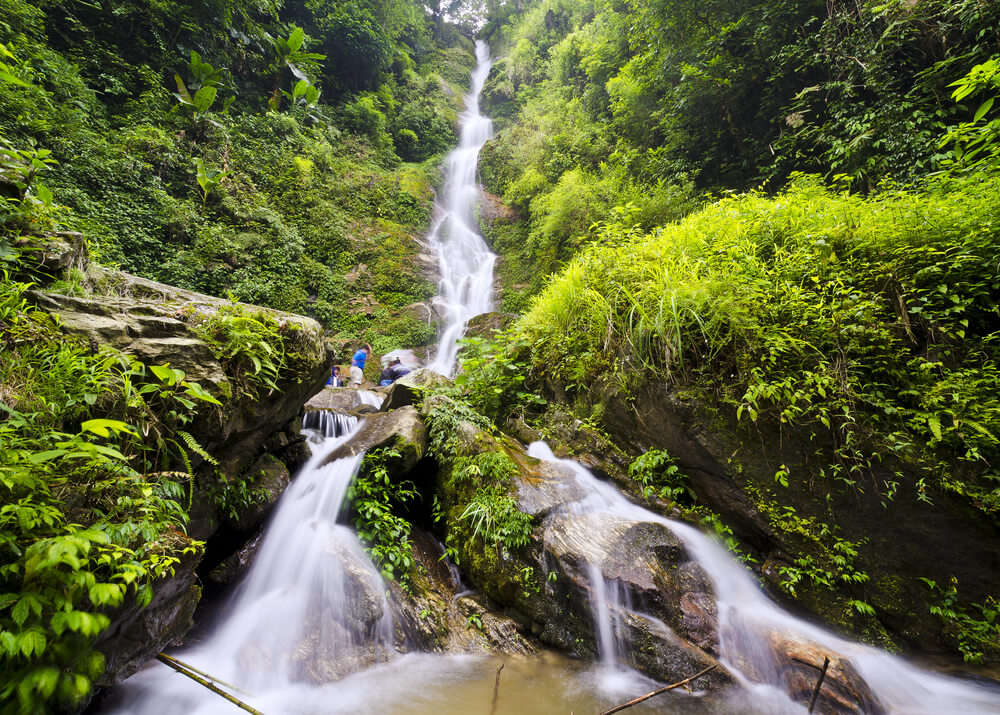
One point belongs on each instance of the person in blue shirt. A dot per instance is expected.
(358, 365)
(335, 379)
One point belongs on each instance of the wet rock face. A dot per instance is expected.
(338, 399)
(402, 429)
(843, 691)
(267, 478)
(439, 615)
(232, 568)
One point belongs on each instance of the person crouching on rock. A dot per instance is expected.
(358, 365)
(392, 372)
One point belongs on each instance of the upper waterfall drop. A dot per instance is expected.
(465, 262)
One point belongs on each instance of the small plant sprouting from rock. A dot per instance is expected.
(386, 535)
(658, 475)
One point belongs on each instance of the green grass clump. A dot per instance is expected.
(874, 319)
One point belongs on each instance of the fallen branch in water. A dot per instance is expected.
(188, 666)
(496, 691)
(819, 683)
(185, 669)
(647, 696)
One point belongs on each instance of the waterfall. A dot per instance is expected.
(465, 262)
(311, 610)
(747, 615)
(326, 423)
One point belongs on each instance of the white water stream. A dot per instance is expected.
(295, 618)
(747, 616)
(465, 262)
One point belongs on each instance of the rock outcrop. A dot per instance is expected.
(402, 430)
(731, 468)
(252, 433)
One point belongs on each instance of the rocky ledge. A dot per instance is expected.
(252, 434)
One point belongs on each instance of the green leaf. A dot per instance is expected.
(935, 424)
(165, 373)
(32, 642)
(104, 427)
(110, 594)
(983, 109)
(204, 98)
(20, 611)
(296, 39)
(39, 457)
(182, 93)
(200, 393)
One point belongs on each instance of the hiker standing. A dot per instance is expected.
(358, 365)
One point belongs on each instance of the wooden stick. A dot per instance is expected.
(647, 696)
(496, 691)
(819, 683)
(211, 677)
(182, 669)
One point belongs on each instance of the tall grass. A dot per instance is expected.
(824, 309)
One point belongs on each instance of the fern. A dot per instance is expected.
(192, 444)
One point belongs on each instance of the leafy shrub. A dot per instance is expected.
(658, 474)
(91, 506)
(375, 496)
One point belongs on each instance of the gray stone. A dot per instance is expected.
(433, 617)
(231, 569)
(339, 399)
(137, 632)
(402, 429)
(408, 390)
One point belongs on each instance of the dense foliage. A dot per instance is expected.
(94, 479)
(247, 149)
(646, 104)
(870, 324)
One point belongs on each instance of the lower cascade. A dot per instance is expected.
(751, 627)
(310, 629)
(312, 608)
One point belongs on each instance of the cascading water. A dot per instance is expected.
(326, 423)
(311, 609)
(747, 616)
(464, 260)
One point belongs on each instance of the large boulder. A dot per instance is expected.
(157, 324)
(408, 390)
(138, 632)
(402, 430)
(437, 614)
